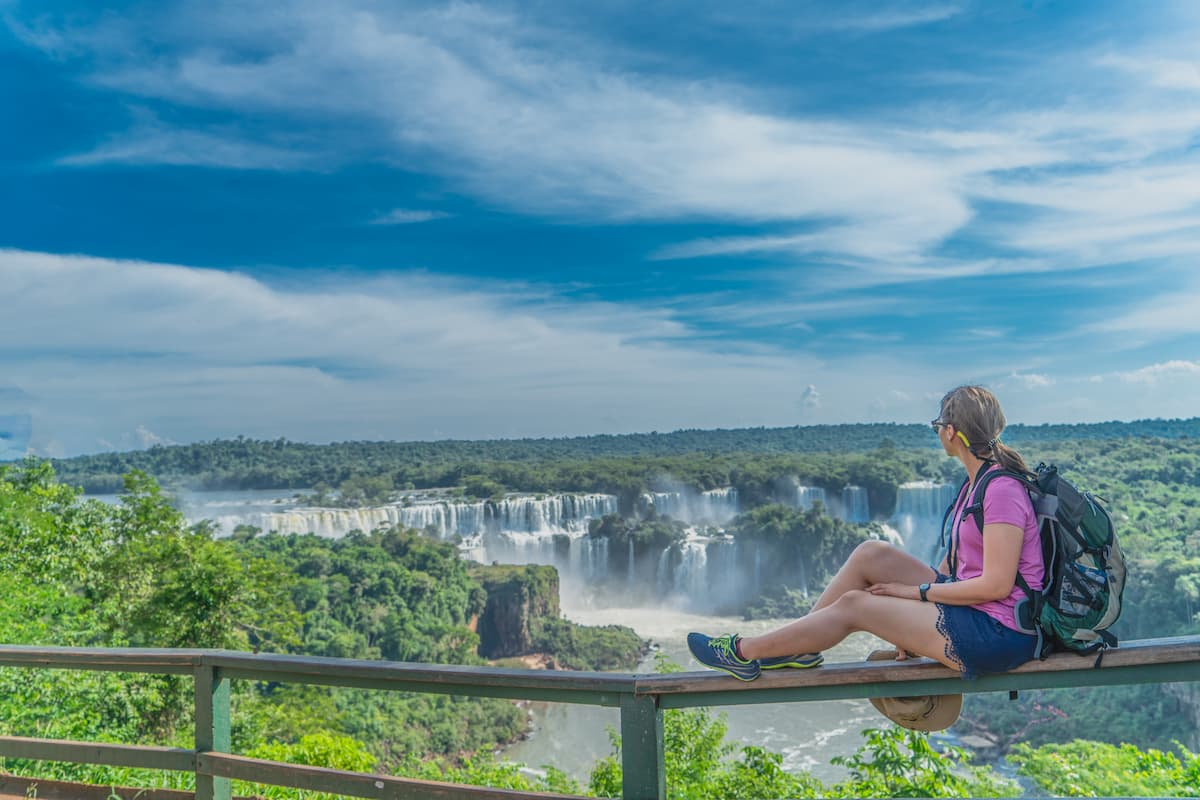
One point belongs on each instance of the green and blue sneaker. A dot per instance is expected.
(802, 661)
(720, 652)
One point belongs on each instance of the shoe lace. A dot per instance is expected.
(724, 646)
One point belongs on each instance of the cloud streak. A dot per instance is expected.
(567, 130)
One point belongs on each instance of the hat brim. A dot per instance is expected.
(932, 712)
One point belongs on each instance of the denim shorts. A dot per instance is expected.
(979, 643)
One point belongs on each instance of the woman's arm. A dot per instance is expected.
(1001, 554)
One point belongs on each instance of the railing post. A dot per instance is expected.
(642, 773)
(212, 728)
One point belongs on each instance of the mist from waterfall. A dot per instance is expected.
(706, 570)
(920, 506)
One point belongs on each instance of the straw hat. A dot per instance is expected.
(930, 712)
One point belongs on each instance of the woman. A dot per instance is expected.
(962, 614)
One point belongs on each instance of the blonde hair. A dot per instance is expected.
(975, 413)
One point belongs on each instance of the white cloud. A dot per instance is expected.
(457, 91)
(1158, 373)
(1167, 315)
(549, 122)
(880, 21)
(1030, 380)
(408, 216)
(1166, 73)
(178, 354)
(147, 438)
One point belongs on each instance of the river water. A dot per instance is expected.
(574, 737)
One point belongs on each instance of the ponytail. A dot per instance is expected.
(1009, 459)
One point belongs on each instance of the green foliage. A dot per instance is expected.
(1096, 769)
(780, 602)
(896, 762)
(700, 763)
(315, 750)
(517, 463)
(484, 770)
(806, 539)
(607, 647)
(1150, 714)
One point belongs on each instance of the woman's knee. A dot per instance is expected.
(872, 551)
(853, 603)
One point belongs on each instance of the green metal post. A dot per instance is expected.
(642, 772)
(212, 728)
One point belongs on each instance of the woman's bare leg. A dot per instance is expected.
(871, 563)
(908, 624)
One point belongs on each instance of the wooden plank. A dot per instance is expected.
(24, 788)
(355, 784)
(1173, 651)
(429, 677)
(115, 755)
(1158, 661)
(113, 659)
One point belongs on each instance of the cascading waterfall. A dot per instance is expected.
(920, 506)
(714, 507)
(855, 506)
(565, 513)
(808, 496)
(708, 571)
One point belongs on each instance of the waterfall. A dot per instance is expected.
(691, 576)
(855, 507)
(918, 518)
(553, 514)
(808, 496)
(630, 577)
(715, 506)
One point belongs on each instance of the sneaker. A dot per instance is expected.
(802, 661)
(719, 652)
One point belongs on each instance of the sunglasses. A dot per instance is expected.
(938, 423)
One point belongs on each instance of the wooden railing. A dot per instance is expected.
(641, 699)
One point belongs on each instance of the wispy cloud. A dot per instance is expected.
(880, 21)
(489, 100)
(1157, 373)
(1165, 73)
(407, 216)
(200, 353)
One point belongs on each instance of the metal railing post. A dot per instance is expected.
(642, 771)
(212, 728)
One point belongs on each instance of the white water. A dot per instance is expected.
(809, 496)
(920, 506)
(855, 507)
(713, 507)
(573, 738)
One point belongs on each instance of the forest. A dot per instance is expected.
(85, 573)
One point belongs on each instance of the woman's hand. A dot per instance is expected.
(895, 590)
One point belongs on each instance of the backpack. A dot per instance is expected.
(1084, 567)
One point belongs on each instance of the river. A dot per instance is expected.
(574, 737)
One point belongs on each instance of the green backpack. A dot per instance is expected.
(1085, 570)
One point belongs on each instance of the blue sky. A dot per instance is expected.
(352, 220)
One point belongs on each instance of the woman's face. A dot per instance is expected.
(945, 433)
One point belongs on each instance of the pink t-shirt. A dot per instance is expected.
(1005, 501)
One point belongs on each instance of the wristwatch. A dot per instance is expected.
(924, 587)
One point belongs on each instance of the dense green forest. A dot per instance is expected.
(279, 464)
(84, 573)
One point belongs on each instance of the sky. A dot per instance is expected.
(334, 221)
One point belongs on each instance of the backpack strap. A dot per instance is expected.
(942, 539)
(975, 509)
